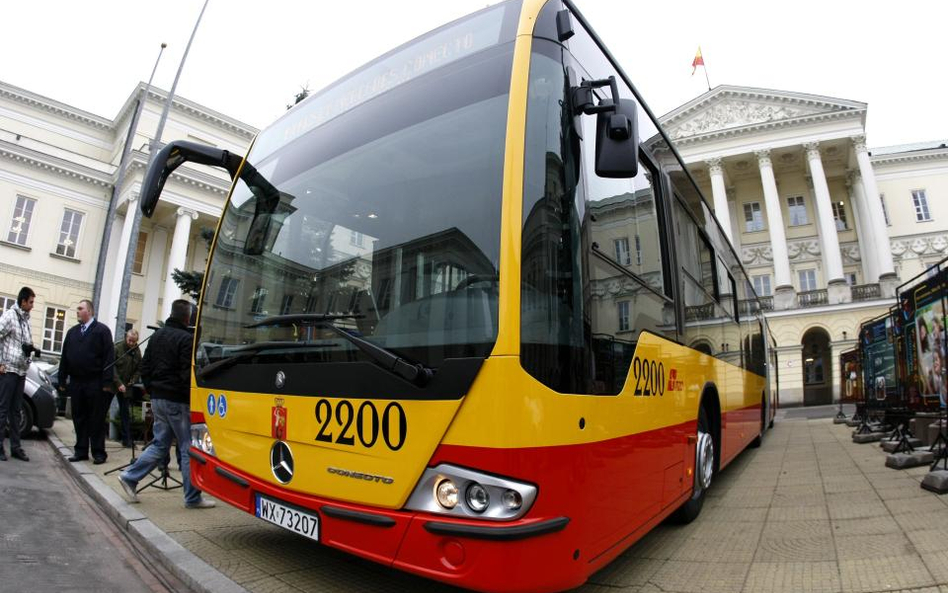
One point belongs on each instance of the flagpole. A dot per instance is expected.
(706, 79)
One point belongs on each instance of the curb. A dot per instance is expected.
(197, 574)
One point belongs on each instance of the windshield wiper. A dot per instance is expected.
(243, 353)
(301, 319)
(417, 373)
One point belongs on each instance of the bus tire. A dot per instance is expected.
(760, 435)
(705, 462)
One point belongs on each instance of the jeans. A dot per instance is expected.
(172, 421)
(11, 399)
(125, 418)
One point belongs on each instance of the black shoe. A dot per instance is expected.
(75, 458)
(19, 454)
(98, 461)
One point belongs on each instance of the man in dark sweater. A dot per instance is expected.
(166, 372)
(128, 362)
(85, 374)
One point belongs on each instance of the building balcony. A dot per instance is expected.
(813, 298)
(866, 292)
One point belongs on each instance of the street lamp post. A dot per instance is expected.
(120, 179)
(136, 224)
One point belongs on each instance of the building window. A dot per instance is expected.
(622, 251)
(753, 218)
(797, 211)
(310, 305)
(225, 296)
(762, 285)
(286, 305)
(885, 211)
(638, 251)
(139, 263)
(69, 233)
(259, 299)
(53, 329)
(921, 205)
(851, 278)
(839, 215)
(356, 238)
(623, 315)
(807, 280)
(6, 302)
(22, 217)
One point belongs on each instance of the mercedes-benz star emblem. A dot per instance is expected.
(280, 379)
(281, 462)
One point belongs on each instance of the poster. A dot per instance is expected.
(878, 358)
(929, 313)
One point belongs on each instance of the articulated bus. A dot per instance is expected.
(467, 314)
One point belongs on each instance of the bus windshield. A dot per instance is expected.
(379, 217)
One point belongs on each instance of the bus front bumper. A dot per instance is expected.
(525, 555)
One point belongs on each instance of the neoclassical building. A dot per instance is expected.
(59, 167)
(826, 227)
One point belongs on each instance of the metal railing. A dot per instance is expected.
(766, 303)
(813, 298)
(866, 292)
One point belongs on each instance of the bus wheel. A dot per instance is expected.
(704, 471)
(760, 435)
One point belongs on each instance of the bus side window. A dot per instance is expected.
(625, 280)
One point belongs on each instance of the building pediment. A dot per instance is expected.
(730, 108)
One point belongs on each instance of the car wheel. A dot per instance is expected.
(25, 419)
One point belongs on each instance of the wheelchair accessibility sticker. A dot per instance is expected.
(222, 405)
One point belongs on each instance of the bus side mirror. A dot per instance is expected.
(172, 156)
(617, 140)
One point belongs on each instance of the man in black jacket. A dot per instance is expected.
(85, 374)
(166, 372)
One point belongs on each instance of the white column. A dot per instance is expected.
(105, 299)
(867, 247)
(778, 238)
(832, 260)
(873, 207)
(121, 253)
(156, 261)
(177, 257)
(719, 193)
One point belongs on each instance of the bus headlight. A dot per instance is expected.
(201, 439)
(477, 498)
(512, 500)
(485, 496)
(447, 494)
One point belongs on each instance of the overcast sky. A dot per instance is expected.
(250, 58)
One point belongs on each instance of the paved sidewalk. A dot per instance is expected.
(808, 511)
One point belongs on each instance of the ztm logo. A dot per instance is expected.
(674, 383)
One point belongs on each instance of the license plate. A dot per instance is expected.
(288, 517)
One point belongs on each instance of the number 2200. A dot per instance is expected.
(649, 377)
(394, 423)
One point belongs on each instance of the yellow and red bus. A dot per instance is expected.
(468, 315)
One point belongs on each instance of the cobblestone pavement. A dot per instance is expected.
(808, 511)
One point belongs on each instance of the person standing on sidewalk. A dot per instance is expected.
(128, 361)
(166, 372)
(16, 347)
(85, 374)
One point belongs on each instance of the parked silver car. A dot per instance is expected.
(40, 401)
